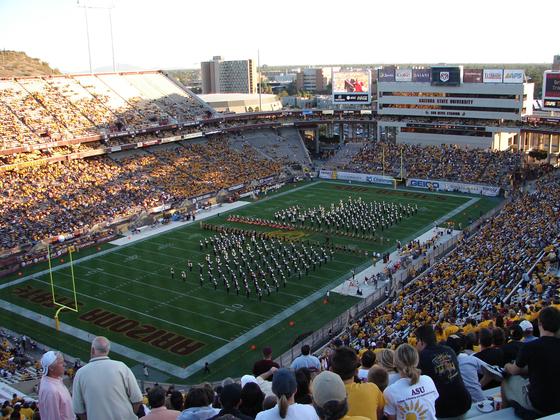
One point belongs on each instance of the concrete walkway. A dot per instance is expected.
(350, 287)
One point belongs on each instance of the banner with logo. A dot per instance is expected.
(493, 75)
(350, 176)
(428, 184)
(514, 76)
(236, 187)
(421, 75)
(472, 76)
(446, 76)
(403, 75)
(386, 74)
(327, 174)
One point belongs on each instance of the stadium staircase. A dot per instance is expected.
(344, 156)
(298, 146)
(286, 147)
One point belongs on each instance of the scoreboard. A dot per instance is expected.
(551, 90)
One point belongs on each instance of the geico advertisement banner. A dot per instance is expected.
(350, 176)
(514, 76)
(493, 75)
(453, 186)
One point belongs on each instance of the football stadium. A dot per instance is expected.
(389, 252)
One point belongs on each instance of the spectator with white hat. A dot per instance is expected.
(527, 328)
(55, 402)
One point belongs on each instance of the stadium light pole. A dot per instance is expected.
(260, 79)
(108, 8)
(112, 41)
(85, 7)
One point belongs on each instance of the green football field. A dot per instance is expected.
(127, 292)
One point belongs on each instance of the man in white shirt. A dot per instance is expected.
(105, 389)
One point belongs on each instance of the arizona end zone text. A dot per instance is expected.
(145, 333)
(343, 97)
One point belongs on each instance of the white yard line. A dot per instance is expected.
(127, 309)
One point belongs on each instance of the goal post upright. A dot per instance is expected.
(59, 305)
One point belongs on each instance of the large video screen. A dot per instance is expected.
(551, 82)
(351, 87)
(446, 76)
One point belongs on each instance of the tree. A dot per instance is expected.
(292, 89)
(265, 87)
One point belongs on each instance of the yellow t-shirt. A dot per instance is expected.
(27, 413)
(485, 323)
(364, 399)
(450, 330)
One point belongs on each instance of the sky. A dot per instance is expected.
(171, 34)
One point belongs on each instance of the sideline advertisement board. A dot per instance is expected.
(428, 184)
(351, 87)
(350, 176)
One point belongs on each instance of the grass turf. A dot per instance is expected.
(134, 282)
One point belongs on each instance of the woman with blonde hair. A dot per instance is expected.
(387, 361)
(413, 395)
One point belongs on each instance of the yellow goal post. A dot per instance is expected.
(61, 306)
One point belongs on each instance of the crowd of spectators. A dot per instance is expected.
(42, 110)
(437, 163)
(65, 197)
(441, 374)
(15, 359)
(475, 279)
